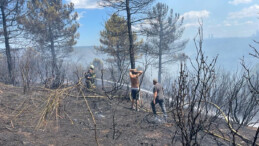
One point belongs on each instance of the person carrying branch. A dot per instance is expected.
(90, 78)
(158, 97)
(134, 74)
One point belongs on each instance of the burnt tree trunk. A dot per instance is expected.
(160, 51)
(131, 45)
(55, 70)
(7, 46)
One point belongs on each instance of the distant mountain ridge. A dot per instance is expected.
(230, 51)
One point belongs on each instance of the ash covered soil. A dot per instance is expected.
(116, 123)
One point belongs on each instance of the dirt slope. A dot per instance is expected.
(116, 123)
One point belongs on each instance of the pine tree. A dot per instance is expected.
(54, 27)
(114, 40)
(165, 34)
(9, 14)
(133, 9)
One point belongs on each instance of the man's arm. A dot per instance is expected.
(91, 77)
(94, 75)
(155, 95)
(88, 75)
(140, 73)
(130, 72)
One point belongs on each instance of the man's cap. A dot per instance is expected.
(155, 80)
(92, 66)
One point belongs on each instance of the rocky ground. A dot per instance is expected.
(116, 123)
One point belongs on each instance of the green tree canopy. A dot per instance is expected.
(53, 26)
(114, 41)
(165, 33)
(132, 8)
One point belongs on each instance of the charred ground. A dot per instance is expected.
(116, 123)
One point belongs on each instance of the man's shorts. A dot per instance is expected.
(135, 93)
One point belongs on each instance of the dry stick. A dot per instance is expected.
(57, 117)
(21, 111)
(49, 106)
(95, 129)
(89, 109)
(230, 126)
(20, 105)
(256, 136)
(94, 96)
(218, 136)
(15, 116)
(113, 125)
(72, 122)
(12, 124)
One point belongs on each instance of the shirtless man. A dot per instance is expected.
(134, 74)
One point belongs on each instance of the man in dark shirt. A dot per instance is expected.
(158, 98)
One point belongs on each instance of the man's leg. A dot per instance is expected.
(153, 107)
(88, 86)
(133, 98)
(93, 85)
(137, 105)
(162, 105)
(137, 100)
(132, 103)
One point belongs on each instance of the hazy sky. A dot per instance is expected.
(221, 18)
